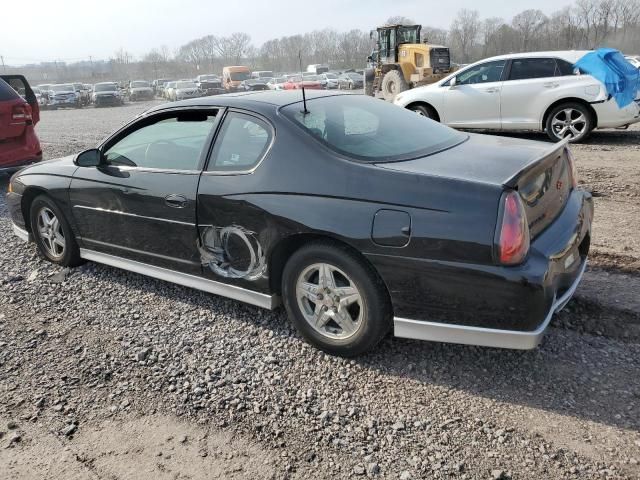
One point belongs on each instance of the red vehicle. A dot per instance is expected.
(19, 113)
(297, 82)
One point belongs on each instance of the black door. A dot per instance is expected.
(235, 236)
(141, 204)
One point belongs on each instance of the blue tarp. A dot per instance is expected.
(620, 78)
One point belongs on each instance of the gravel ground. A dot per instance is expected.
(108, 374)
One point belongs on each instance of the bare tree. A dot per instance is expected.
(464, 33)
(400, 20)
(528, 24)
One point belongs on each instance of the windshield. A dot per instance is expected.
(265, 74)
(331, 76)
(311, 78)
(66, 87)
(408, 35)
(139, 84)
(186, 85)
(239, 76)
(354, 75)
(104, 87)
(370, 130)
(208, 78)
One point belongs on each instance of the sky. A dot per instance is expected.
(70, 30)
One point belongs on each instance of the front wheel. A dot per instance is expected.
(569, 120)
(423, 111)
(335, 300)
(52, 233)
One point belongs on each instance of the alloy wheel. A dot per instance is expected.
(330, 301)
(569, 123)
(51, 233)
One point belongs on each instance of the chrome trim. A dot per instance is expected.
(230, 291)
(21, 233)
(485, 337)
(104, 210)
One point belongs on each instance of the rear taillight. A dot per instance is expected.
(21, 114)
(513, 231)
(573, 171)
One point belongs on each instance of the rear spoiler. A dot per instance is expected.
(513, 181)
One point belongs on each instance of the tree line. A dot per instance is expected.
(586, 24)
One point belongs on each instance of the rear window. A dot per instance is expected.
(370, 130)
(6, 92)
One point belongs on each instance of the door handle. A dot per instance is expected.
(551, 85)
(175, 201)
(491, 90)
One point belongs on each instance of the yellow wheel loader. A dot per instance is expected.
(400, 61)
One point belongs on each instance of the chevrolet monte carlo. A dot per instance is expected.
(359, 216)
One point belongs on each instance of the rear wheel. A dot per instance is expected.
(335, 300)
(393, 83)
(569, 120)
(52, 233)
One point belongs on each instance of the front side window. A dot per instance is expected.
(169, 143)
(483, 73)
(526, 68)
(370, 130)
(241, 143)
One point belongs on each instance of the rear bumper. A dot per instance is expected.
(611, 116)
(486, 337)
(20, 152)
(491, 305)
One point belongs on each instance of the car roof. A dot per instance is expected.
(249, 99)
(569, 55)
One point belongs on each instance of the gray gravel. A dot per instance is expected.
(107, 344)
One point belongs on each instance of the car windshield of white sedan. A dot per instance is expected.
(181, 85)
(105, 87)
(371, 130)
(66, 87)
(139, 84)
(173, 143)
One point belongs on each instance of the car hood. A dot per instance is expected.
(58, 166)
(482, 158)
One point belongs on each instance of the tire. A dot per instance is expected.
(60, 246)
(347, 329)
(570, 119)
(393, 83)
(424, 110)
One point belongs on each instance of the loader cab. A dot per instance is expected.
(391, 36)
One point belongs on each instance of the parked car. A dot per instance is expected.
(39, 97)
(262, 74)
(310, 82)
(277, 83)
(106, 93)
(140, 90)
(350, 81)
(168, 89)
(317, 68)
(209, 84)
(329, 80)
(63, 95)
(157, 85)
(83, 93)
(255, 84)
(526, 91)
(184, 90)
(19, 144)
(452, 237)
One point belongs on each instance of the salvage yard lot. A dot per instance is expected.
(115, 375)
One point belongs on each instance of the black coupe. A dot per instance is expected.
(358, 215)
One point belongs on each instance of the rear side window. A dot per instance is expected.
(6, 92)
(564, 68)
(525, 68)
(241, 144)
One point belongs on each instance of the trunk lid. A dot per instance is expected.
(540, 171)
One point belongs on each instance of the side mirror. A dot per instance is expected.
(453, 82)
(89, 158)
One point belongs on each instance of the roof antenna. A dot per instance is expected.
(304, 97)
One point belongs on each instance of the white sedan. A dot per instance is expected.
(527, 91)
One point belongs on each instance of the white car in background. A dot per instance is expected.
(277, 83)
(527, 91)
